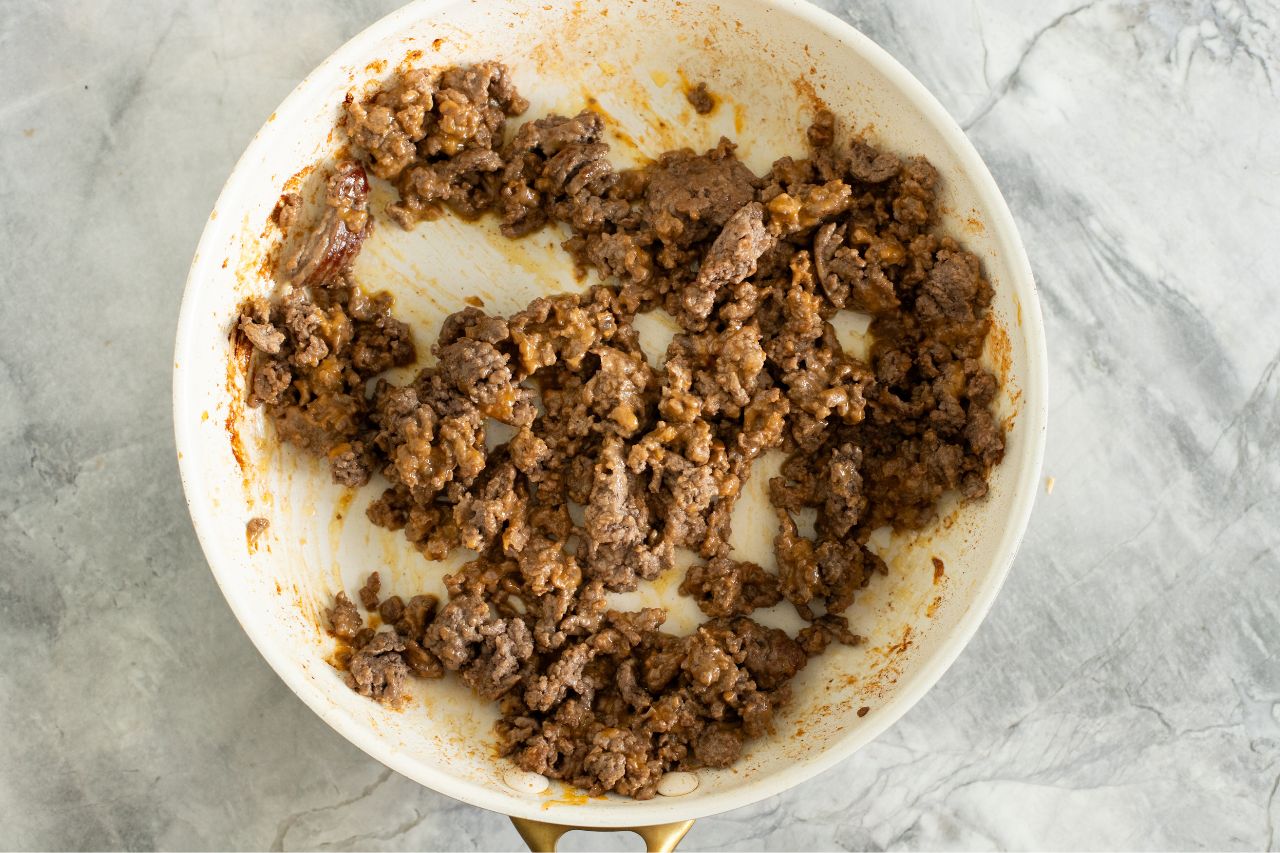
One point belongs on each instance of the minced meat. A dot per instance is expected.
(753, 268)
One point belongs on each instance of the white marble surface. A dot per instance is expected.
(1125, 691)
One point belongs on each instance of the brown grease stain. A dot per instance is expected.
(376, 67)
(474, 301)
(887, 674)
(611, 121)
(807, 93)
(1001, 349)
(411, 58)
(739, 118)
(570, 797)
(340, 508)
(939, 571)
(269, 262)
(294, 184)
(237, 377)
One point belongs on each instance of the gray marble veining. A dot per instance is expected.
(1125, 691)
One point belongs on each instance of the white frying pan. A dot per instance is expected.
(767, 60)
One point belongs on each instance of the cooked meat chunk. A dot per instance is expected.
(726, 587)
(344, 619)
(377, 669)
(700, 99)
(692, 196)
(255, 322)
(333, 245)
(731, 258)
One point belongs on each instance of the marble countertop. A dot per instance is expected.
(1125, 690)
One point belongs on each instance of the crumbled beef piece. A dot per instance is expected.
(822, 131)
(255, 322)
(768, 654)
(508, 644)
(565, 674)
(797, 485)
(528, 451)
(390, 124)
(391, 610)
(377, 670)
(253, 530)
(731, 258)
(986, 441)
(719, 745)
(344, 619)
(753, 270)
(559, 330)
(700, 99)
(691, 197)
(618, 392)
(380, 341)
(527, 177)
(391, 509)
(814, 638)
(623, 256)
(619, 550)
(456, 629)
(271, 379)
(333, 245)
(828, 571)
(763, 423)
(618, 761)
(725, 587)
(870, 165)
(287, 210)
(368, 594)
(843, 487)
(797, 563)
(416, 615)
(349, 464)
(812, 204)
(463, 182)
(437, 139)
(421, 663)
(689, 490)
(436, 444)
(485, 512)
(481, 372)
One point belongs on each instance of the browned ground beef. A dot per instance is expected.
(700, 99)
(753, 268)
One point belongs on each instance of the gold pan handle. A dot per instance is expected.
(542, 837)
